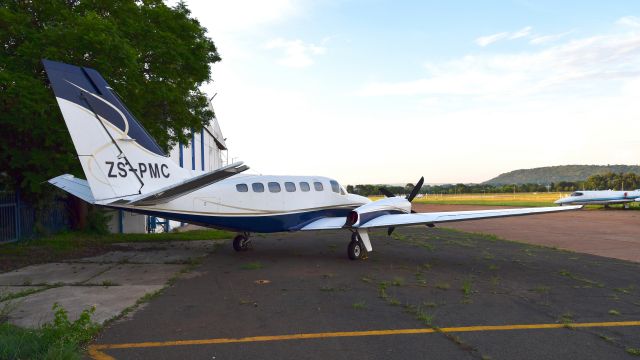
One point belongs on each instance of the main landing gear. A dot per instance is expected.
(356, 249)
(241, 242)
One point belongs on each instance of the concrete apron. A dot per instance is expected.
(110, 282)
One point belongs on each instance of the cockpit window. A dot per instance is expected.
(335, 187)
(577, 193)
(342, 192)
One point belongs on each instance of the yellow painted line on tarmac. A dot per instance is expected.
(96, 351)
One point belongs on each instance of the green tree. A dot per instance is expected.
(155, 56)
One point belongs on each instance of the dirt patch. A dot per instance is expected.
(612, 233)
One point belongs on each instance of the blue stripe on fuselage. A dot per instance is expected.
(258, 224)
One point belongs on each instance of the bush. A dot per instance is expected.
(59, 339)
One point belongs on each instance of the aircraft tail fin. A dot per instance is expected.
(119, 158)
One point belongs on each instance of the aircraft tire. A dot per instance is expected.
(240, 243)
(354, 250)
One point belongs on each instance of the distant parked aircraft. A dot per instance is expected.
(600, 197)
(126, 169)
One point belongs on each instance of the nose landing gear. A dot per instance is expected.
(241, 242)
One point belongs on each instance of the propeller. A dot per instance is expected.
(409, 198)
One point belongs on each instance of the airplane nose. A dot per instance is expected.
(559, 201)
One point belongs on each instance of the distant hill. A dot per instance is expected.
(554, 174)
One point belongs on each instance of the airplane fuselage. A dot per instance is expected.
(258, 203)
(600, 197)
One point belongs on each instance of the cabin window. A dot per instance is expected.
(242, 187)
(318, 186)
(290, 187)
(335, 187)
(304, 186)
(257, 187)
(274, 187)
(577, 193)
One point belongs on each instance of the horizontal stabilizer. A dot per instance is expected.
(175, 191)
(74, 186)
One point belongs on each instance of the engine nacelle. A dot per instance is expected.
(370, 211)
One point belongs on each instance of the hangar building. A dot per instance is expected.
(205, 151)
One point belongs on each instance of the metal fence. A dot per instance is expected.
(20, 220)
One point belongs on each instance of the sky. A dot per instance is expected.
(455, 91)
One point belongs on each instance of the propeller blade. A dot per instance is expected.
(386, 192)
(415, 190)
(390, 230)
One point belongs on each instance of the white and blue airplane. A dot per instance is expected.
(126, 169)
(600, 197)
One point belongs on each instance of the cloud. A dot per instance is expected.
(630, 21)
(490, 39)
(542, 39)
(524, 32)
(578, 65)
(297, 54)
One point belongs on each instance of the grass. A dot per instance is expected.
(467, 289)
(361, 305)
(252, 266)
(443, 286)
(589, 283)
(506, 199)
(633, 351)
(566, 319)
(71, 244)
(614, 312)
(541, 289)
(59, 339)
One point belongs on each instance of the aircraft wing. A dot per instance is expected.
(433, 217)
(169, 193)
(450, 216)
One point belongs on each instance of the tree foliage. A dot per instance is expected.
(154, 56)
(562, 173)
(613, 181)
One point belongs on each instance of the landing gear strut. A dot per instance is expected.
(356, 249)
(241, 242)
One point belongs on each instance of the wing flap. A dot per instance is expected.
(450, 216)
(169, 193)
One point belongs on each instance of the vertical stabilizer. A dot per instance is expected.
(119, 158)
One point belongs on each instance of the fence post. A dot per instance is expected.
(18, 214)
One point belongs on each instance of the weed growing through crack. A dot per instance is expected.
(541, 289)
(361, 305)
(588, 282)
(252, 266)
(443, 286)
(614, 312)
(566, 319)
(633, 351)
(467, 289)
